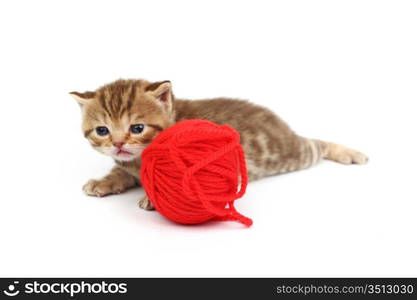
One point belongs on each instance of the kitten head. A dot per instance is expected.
(121, 119)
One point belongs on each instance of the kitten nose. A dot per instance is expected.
(118, 144)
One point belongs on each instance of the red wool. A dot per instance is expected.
(194, 171)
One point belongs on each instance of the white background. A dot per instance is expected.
(342, 71)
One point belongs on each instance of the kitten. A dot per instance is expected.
(121, 118)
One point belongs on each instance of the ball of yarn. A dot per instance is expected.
(194, 171)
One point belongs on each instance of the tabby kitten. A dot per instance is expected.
(122, 118)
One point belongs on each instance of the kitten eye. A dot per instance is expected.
(102, 130)
(137, 128)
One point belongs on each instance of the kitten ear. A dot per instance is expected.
(83, 98)
(162, 91)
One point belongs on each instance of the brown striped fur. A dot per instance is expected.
(271, 147)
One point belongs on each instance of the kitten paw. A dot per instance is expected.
(102, 188)
(350, 156)
(145, 203)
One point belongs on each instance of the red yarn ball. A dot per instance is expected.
(194, 171)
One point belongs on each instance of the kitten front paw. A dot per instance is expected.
(102, 188)
(145, 203)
